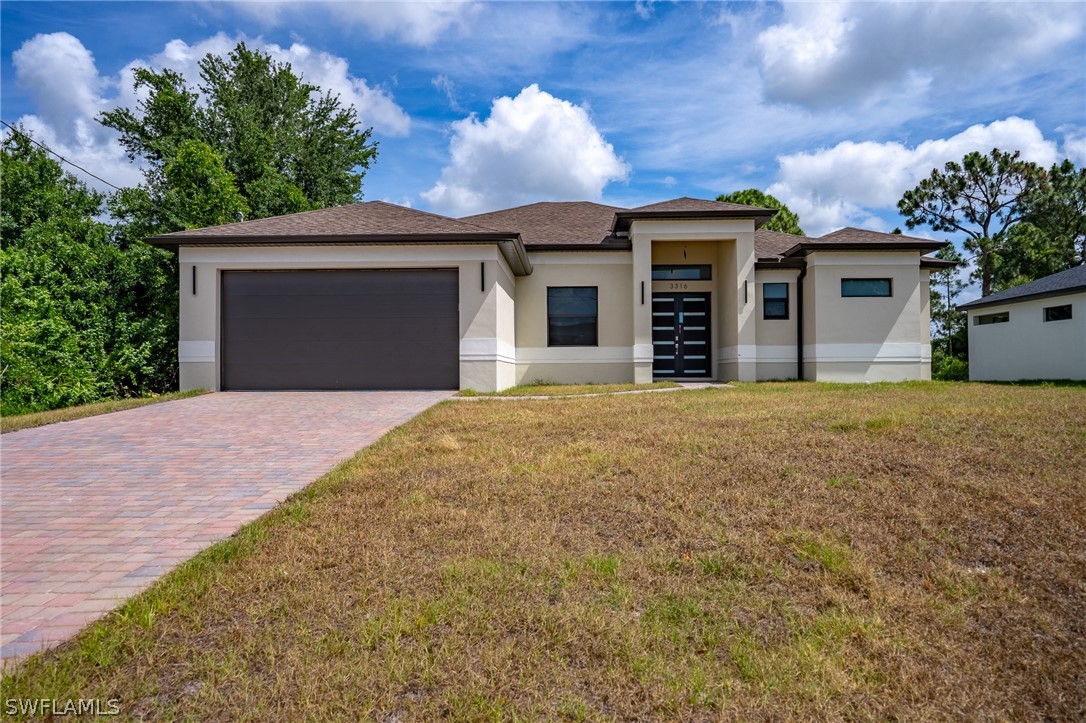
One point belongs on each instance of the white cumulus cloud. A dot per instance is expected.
(69, 93)
(63, 79)
(532, 147)
(823, 54)
(846, 184)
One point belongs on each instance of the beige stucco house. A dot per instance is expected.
(378, 296)
(1033, 331)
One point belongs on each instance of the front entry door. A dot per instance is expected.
(680, 335)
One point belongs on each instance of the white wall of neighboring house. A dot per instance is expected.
(1026, 346)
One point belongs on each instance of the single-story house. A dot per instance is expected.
(1033, 331)
(379, 296)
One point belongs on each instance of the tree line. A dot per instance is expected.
(89, 309)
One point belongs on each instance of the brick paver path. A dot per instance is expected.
(94, 510)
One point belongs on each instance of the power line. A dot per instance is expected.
(47, 149)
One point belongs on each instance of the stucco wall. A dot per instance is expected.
(734, 343)
(612, 359)
(487, 349)
(866, 339)
(1026, 346)
(777, 348)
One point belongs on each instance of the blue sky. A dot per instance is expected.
(835, 108)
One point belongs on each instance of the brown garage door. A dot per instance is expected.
(340, 329)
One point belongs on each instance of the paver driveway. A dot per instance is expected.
(94, 510)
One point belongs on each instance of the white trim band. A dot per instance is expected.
(195, 351)
(487, 349)
(892, 352)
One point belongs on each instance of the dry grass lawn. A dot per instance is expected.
(769, 551)
(567, 390)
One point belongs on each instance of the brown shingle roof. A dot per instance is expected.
(371, 218)
(686, 203)
(851, 234)
(861, 239)
(554, 223)
(690, 208)
(772, 244)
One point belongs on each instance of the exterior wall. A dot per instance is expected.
(1026, 346)
(866, 339)
(612, 360)
(777, 350)
(735, 344)
(487, 351)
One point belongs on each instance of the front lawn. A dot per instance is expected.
(782, 551)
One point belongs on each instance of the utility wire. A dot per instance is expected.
(47, 149)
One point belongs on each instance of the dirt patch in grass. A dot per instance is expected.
(770, 551)
(38, 419)
(567, 390)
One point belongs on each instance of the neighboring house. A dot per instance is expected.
(377, 296)
(1033, 331)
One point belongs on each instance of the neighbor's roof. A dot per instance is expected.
(557, 225)
(368, 221)
(1070, 281)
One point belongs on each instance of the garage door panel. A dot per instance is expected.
(341, 329)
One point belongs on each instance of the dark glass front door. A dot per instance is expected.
(680, 335)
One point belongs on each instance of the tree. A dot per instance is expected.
(786, 221)
(983, 197)
(272, 144)
(949, 334)
(1058, 210)
(71, 330)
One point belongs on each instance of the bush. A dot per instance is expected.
(950, 369)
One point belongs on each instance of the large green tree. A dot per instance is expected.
(786, 221)
(83, 317)
(267, 142)
(984, 197)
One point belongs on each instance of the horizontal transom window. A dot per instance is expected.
(572, 315)
(865, 287)
(682, 272)
(1058, 313)
(1000, 318)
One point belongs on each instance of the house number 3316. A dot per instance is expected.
(677, 285)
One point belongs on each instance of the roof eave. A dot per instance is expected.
(511, 246)
(624, 218)
(617, 246)
(802, 249)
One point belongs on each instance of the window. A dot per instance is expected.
(702, 272)
(774, 301)
(865, 287)
(1058, 313)
(572, 315)
(999, 318)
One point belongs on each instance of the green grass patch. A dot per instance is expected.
(38, 419)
